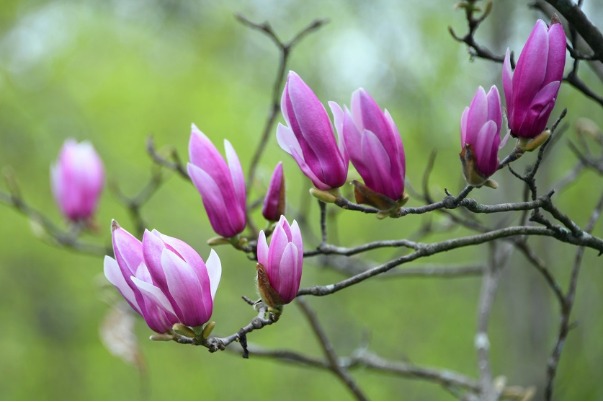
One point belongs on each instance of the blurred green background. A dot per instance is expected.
(117, 71)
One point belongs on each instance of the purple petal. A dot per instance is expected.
(77, 179)
(287, 284)
(487, 142)
(277, 245)
(310, 116)
(530, 70)
(274, 200)
(262, 249)
(182, 249)
(556, 56)
(236, 173)
(546, 95)
(152, 248)
(477, 115)
(285, 103)
(153, 294)
(215, 203)
(310, 123)
(282, 222)
(115, 277)
(214, 272)
(204, 154)
(537, 115)
(494, 110)
(378, 179)
(288, 142)
(464, 127)
(296, 237)
(398, 158)
(127, 249)
(353, 143)
(192, 298)
(507, 78)
(338, 116)
(368, 115)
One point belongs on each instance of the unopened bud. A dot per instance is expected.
(588, 128)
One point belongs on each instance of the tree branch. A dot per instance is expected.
(427, 249)
(329, 351)
(567, 305)
(574, 15)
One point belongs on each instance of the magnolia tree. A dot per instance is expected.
(172, 287)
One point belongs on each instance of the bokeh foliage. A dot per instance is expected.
(115, 72)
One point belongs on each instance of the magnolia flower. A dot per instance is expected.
(531, 90)
(163, 278)
(372, 140)
(221, 185)
(280, 264)
(480, 136)
(77, 180)
(309, 137)
(274, 202)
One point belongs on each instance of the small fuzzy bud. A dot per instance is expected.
(328, 196)
(217, 241)
(209, 327)
(274, 202)
(161, 337)
(531, 88)
(183, 330)
(531, 144)
(279, 266)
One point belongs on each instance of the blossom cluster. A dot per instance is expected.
(168, 283)
(530, 93)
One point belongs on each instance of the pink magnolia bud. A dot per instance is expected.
(280, 265)
(375, 148)
(221, 185)
(309, 137)
(77, 180)
(531, 90)
(163, 278)
(274, 203)
(480, 136)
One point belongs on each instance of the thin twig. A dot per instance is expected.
(175, 164)
(323, 223)
(567, 305)
(285, 51)
(427, 249)
(135, 203)
(366, 360)
(576, 17)
(475, 50)
(214, 343)
(68, 238)
(329, 351)
(498, 257)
